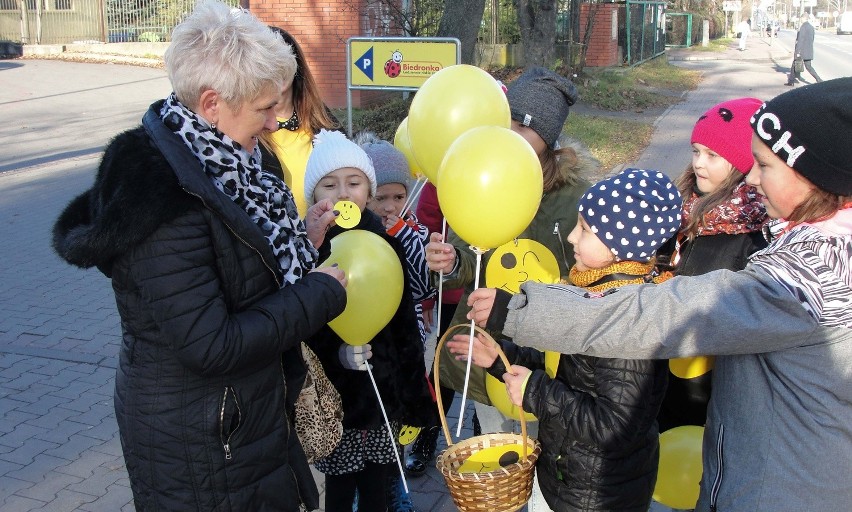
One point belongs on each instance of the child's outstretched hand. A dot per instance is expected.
(516, 381)
(484, 354)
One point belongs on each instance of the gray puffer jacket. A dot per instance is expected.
(779, 424)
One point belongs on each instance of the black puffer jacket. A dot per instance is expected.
(597, 427)
(200, 392)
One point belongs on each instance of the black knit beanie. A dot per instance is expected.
(809, 129)
(540, 98)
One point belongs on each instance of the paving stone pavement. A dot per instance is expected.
(59, 330)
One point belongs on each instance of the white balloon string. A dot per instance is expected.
(469, 345)
(412, 198)
(441, 284)
(390, 431)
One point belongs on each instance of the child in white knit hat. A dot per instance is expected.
(338, 169)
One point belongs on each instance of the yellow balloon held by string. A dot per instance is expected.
(375, 284)
(691, 367)
(451, 102)
(489, 186)
(679, 473)
(403, 143)
(350, 214)
(490, 459)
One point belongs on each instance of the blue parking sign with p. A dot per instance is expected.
(365, 63)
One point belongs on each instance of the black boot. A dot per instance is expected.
(477, 428)
(422, 451)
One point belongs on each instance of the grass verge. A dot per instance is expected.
(653, 84)
(715, 45)
(613, 141)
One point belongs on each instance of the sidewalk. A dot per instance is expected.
(59, 331)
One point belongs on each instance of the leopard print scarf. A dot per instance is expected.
(237, 174)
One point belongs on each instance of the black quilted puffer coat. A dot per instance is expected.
(201, 395)
(597, 426)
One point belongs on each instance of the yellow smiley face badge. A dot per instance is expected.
(519, 261)
(491, 459)
(350, 214)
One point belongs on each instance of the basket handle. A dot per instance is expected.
(437, 373)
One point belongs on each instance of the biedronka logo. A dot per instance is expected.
(395, 67)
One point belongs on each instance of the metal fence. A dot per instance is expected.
(644, 34)
(68, 21)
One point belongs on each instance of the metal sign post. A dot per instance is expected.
(395, 63)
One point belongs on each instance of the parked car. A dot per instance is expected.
(844, 23)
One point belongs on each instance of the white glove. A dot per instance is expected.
(354, 358)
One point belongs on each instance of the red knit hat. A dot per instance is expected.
(725, 129)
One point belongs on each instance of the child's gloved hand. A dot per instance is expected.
(354, 358)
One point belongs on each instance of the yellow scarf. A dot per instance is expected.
(644, 272)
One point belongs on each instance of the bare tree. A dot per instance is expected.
(462, 19)
(537, 20)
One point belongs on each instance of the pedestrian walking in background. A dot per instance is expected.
(744, 29)
(803, 52)
(212, 274)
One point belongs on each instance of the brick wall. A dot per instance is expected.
(603, 45)
(322, 27)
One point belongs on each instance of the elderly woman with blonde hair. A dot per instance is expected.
(214, 279)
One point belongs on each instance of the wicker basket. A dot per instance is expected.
(502, 490)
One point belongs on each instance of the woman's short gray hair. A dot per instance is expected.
(229, 51)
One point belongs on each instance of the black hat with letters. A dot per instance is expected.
(810, 128)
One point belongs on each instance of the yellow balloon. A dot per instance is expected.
(451, 102)
(489, 186)
(551, 363)
(680, 469)
(402, 143)
(374, 288)
(499, 397)
(492, 458)
(518, 261)
(691, 367)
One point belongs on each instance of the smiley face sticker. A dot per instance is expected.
(350, 214)
(519, 261)
(491, 459)
(407, 434)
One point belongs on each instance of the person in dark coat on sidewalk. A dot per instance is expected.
(212, 273)
(804, 50)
